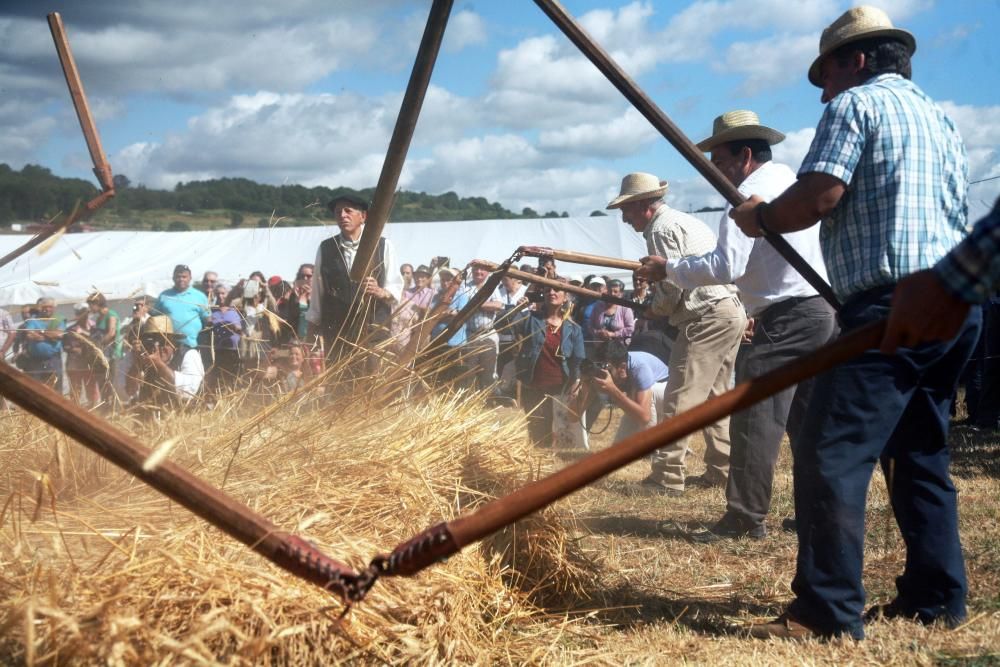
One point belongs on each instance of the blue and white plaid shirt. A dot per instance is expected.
(906, 172)
(972, 270)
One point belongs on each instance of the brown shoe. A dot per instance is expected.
(783, 627)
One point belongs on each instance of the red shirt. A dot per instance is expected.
(548, 374)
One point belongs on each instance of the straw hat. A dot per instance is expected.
(736, 125)
(160, 326)
(854, 24)
(639, 186)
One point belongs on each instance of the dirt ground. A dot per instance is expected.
(667, 599)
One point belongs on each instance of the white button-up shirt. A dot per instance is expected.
(762, 276)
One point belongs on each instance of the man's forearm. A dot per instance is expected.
(809, 199)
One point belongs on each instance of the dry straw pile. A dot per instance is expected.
(97, 568)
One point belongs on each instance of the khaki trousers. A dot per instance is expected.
(701, 366)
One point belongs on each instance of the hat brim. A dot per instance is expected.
(902, 35)
(742, 132)
(350, 199)
(618, 201)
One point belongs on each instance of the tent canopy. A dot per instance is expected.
(125, 264)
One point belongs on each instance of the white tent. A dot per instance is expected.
(123, 264)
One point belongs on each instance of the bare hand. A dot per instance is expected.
(370, 287)
(923, 311)
(748, 332)
(745, 216)
(536, 251)
(653, 269)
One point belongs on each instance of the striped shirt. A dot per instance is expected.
(673, 234)
(906, 172)
(972, 269)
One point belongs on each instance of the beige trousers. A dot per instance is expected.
(701, 366)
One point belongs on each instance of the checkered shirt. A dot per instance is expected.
(972, 269)
(906, 172)
(673, 234)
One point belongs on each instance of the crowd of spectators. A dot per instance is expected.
(206, 339)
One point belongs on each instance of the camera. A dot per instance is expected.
(534, 297)
(594, 369)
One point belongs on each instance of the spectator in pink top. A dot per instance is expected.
(610, 321)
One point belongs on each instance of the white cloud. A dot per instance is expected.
(763, 71)
(623, 136)
(793, 149)
(465, 28)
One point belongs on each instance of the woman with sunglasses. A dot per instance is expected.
(548, 363)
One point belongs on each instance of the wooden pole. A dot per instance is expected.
(101, 167)
(288, 552)
(579, 257)
(566, 287)
(406, 123)
(617, 76)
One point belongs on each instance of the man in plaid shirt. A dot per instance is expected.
(887, 175)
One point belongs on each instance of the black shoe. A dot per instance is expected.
(650, 483)
(895, 609)
(728, 528)
(788, 524)
(703, 482)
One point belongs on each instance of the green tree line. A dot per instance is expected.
(35, 194)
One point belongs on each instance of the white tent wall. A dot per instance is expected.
(124, 264)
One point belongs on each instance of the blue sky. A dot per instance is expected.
(307, 91)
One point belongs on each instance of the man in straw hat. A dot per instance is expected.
(172, 372)
(789, 317)
(710, 322)
(887, 174)
(331, 310)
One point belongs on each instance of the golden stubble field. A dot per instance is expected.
(95, 568)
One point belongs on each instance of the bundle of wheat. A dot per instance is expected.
(98, 567)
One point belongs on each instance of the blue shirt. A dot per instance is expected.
(906, 172)
(43, 349)
(187, 310)
(458, 302)
(645, 370)
(972, 270)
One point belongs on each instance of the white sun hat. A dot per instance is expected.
(639, 186)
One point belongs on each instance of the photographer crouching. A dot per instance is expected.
(633, 381)
(172, 372)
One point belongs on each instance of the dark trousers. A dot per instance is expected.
(782, 333)
(47, 371)
(988, 408)
(538, 404)
(892, 409)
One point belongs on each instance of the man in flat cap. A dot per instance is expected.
(710, 322)
(887, 174)
(789, 317)
(339, 307)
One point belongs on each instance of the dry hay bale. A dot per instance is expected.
(97, 567)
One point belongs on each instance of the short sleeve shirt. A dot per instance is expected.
(187, 310)
(645, 370)
(906, 172)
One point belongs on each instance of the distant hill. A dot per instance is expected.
(35, 194)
